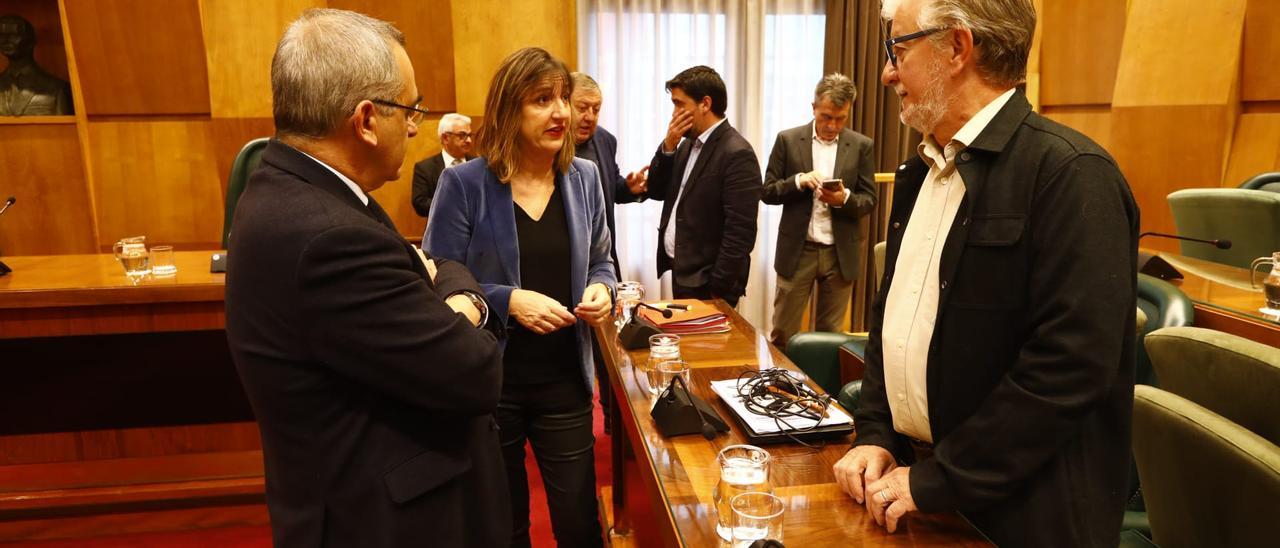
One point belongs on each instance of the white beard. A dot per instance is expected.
(930, 106)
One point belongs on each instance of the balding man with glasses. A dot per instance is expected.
(456, 143)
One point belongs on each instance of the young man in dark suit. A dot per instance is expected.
(373, 383)
(456, 142)
(820, 233)
(708, 176)
(999, 378)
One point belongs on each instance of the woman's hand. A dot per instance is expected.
(594, 308)
(539, 313)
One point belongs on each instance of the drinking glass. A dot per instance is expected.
(757, 516)
(661, 376)
(162, 265)
(743, 469)
(662, 347)
(629, 293)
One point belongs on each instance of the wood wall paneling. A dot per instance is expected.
(486, 31)
(1159, 153)
(1080, 51)
(429, 41)
(1180, 52)
(1261, 50)
(1093, 122)
(40, 166)
(51, 51)
(158, 179)
(240, 38)
(140, 56)
(1255, 148)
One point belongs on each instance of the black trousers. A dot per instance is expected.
(555, 418)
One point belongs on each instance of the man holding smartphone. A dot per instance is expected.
(822, 175)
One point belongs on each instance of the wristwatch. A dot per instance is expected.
(478, 302)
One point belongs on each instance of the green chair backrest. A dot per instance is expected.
(246, 161)
(878, 256)
(1269, 181)
(1249, 218)
(816, 353)
(1229, 375)
(1207, 481)
(1164, 306)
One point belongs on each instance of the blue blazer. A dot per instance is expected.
(472, 221)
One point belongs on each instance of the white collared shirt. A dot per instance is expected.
(824, 162)
(448, 158)
(364, 199)
(669, 237)
(911, 309)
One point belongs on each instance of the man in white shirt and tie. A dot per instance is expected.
(455, 148)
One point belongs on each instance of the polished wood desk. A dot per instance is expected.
(661, 492)
(122, 410)
(1224, 300)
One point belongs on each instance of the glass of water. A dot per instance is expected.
(132, 254)
(629, 294)
(743, 469)
(661, 376)
(162, 264)
(757, 515)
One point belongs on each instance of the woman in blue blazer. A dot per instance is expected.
(528, 220)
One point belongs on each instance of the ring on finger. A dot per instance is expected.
(884, 495)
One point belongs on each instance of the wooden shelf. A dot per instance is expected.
(36, 120)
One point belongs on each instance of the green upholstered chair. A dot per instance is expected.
(1269, 181)
(246, 161)
(1164, 306)
(1229, 375)
(817, 354)
(1208, 481)
(1249, 218)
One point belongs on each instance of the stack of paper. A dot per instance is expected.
(698, 319)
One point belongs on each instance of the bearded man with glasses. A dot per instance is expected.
(1000, 365)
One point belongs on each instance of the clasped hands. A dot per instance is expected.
(542, 314)
(869, 474)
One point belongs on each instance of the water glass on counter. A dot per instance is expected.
(629, 294)
(757, 516)
(743, 469)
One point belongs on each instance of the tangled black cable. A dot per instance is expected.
(777, 394)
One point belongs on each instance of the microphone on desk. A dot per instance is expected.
(1220, 244)
(1152, 265)
(4, 268)
(635, 334)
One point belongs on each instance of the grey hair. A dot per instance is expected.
(584, 82)
(450, 122)
(836, 87)
(1002, 32)
(326, 63)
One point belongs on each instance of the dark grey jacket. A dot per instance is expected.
(1030, 372)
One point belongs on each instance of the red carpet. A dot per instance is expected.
(260, 536)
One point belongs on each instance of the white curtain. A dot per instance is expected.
(769, 53)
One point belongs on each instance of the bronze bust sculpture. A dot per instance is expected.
(25, 88)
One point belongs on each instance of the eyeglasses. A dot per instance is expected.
(415, 114)
(888, 44)
(463, 135)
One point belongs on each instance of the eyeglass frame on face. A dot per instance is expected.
(417, 113)
(889, 43)
(463, 135)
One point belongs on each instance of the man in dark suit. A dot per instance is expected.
(598, 145)
(373, 386)
(820, 233)
(710, 185)
(999, 377)
(455, 147)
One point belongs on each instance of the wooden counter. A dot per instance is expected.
(662, 487)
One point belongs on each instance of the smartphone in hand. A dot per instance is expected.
(832, 185)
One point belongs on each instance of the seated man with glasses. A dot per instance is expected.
(455, 148)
